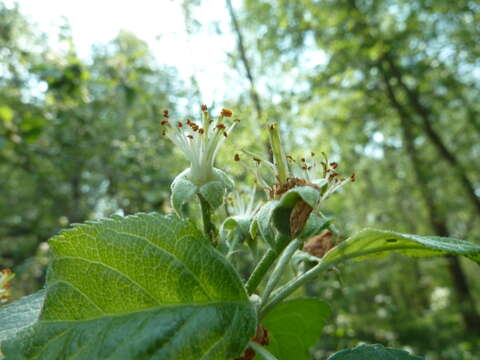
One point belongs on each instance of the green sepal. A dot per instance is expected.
(315, 225)
(261, 223)
(287, 202)
(182, 191)
(214, 193)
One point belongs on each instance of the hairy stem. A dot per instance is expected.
(279, 268)
(286, 290)
(260, 270)
(262, 351)
(208, 226)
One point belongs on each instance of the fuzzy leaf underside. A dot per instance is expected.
(20, 314)
(373, 352)
(294, 326)
(372, 243)
(141, 287)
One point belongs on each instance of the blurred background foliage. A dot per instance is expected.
(389, 89)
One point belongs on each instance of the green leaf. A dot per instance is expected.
(294, 326)
(371, 243)
(373, 352)
(213, 192)
(182, 191)
(20, 314)
(141, 287)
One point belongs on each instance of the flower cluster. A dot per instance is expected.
(199, 142)
(301, 172)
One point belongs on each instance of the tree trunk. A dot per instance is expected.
(469, 313)
(426, 114)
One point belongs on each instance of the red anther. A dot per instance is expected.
(210, 121)
(304, 167)
(165, 113)
(220, 126)
(204, 107)
(179, 124)
(226, 113)
(333, 165)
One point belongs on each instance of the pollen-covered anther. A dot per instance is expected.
(226, 113)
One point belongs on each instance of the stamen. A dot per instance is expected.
(236, 157)
(226, 113)
(165, 113)
(204, 107)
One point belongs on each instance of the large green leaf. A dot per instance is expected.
(20, 314)
(142, 287)
(294, 326)
(371, 243)
(373, 352)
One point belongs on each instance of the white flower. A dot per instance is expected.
(199, 142)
